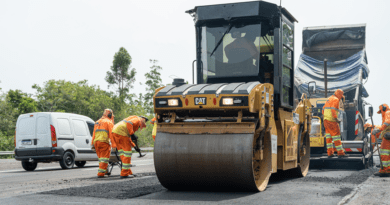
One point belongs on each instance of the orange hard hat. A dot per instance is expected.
(339, 93)
(383, 108)
(153, 121)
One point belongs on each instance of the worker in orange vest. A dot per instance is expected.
(122, 133)
(385, 145)
(101, 140)
(331, 114)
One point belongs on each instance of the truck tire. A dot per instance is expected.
(366, 150)
(67, 161)
(29, 166)
(80, 164)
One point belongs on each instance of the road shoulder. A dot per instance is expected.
(372, 191)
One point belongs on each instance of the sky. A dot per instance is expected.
(76, 40)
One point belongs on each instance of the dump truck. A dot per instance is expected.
(239, 122)
(334, 57)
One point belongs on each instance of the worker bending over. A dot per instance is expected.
(122, 133)
(101, 140)
(331, 123)
(385, 145)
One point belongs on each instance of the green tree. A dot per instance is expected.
(8, 116)
(153, 81)
(21, 101)
(121, 74)
(79, 98)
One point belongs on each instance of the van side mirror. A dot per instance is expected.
(370, 111)
(312, 87)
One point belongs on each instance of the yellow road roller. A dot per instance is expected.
(239, 123)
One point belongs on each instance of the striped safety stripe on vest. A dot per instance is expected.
(338, 138)
(121, 152)
(385, 152)
(127, 121)
(126, 166)
(105, 161)
(332, 108)
(101, 130)
(329, 145)
(356, 122)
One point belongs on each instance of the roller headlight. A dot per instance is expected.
(168, 102)
(227, 101)
(173, 102)
(234, 101)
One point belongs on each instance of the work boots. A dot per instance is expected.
(128, 176)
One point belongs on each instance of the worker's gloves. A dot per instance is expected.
(134, 137)
(376, 131)
(137, 149)
(93, 148)
(387, 136)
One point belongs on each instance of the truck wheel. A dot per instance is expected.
(29, 166)
(67, 160)
(80, 164)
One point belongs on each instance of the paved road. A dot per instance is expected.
(76, 186)
(15, 181)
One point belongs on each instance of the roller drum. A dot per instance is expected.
(220, 162)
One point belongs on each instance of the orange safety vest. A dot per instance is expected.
(102, 130)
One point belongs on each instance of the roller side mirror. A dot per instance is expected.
(312, 87)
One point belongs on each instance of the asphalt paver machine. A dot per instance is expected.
(239, 123)
(334, 57)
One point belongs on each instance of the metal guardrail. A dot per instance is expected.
(7, 153)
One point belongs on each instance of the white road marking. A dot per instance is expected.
(42, 169)
(82, 169)
(143, 164)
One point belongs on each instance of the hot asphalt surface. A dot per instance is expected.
(50, 184)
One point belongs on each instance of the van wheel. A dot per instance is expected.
(67, 160)
(80, 164)
(29, 166)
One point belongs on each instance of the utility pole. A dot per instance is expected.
(326, 77)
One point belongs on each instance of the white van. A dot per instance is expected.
(53, 136)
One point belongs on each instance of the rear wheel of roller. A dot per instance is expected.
(303, 167)
(262, 168)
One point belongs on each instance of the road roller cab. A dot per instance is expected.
(238, 124)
